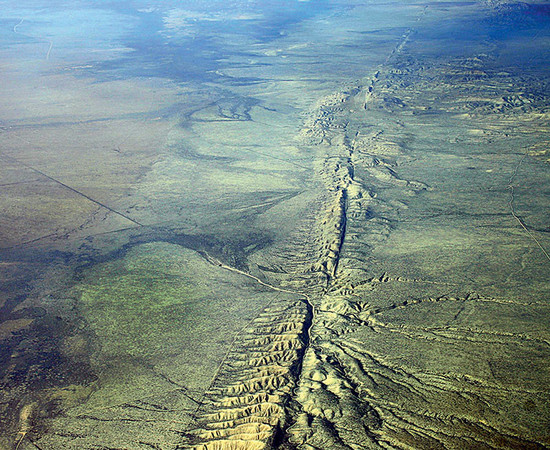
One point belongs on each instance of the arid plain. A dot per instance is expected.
(294, 225)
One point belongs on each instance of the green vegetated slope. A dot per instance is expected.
(160, 320)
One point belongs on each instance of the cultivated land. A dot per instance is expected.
(243, 226)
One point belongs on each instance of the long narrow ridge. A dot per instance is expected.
(255, 398)
(246, 403)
